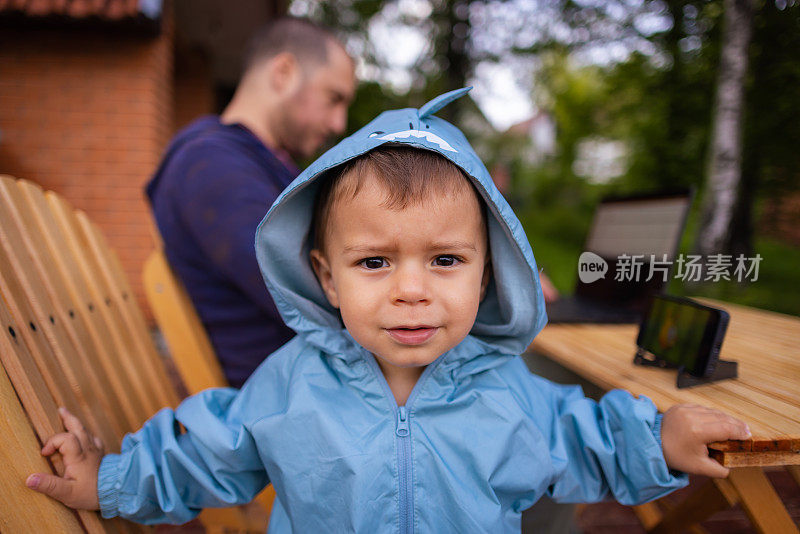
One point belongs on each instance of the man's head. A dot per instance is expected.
(297, 84)
(401, 250)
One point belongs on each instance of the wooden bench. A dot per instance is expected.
(71, 334)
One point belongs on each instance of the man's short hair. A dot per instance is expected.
(307, 40)
(408, 175)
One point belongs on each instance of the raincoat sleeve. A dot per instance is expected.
(199, 455)
(607, 447)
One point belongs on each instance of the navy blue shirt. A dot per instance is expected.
(213, 187)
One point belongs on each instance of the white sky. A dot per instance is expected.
(500, 95)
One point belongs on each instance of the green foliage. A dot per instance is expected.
(665, 121)
(575, 98)
(371, 98)
(557, 232)
(772, 125)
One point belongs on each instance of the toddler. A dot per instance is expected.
(402, 404)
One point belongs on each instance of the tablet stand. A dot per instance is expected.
(723, 370)
(647, 359)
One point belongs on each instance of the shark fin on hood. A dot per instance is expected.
(441, 101)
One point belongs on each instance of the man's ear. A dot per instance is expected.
(284, 73)
(487, 275)
(323, 271)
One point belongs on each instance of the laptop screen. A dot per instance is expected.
(638, 226)
(634, 226)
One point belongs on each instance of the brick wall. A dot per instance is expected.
(88, 115)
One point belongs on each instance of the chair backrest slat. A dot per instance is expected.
(109, 356)
(23, 436)
(26, 378)
(73, 335)
(120, 292)
(27, 284)
(60, 373)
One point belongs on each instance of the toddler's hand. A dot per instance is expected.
(82, 454)
(685, 431)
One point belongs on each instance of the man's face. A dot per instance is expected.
(317, 110)
(407, 282)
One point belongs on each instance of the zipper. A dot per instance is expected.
(402, 422)
(404, 470)
(402, 432)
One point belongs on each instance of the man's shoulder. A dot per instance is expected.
(203, 151)
(207, 135)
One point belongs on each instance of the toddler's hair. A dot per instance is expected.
(408, 175)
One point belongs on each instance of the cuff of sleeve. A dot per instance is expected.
(681, 478)
(657, 428)
(108, 485)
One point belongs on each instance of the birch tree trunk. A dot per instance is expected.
(725, 169)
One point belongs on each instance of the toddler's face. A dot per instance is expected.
(407, 282)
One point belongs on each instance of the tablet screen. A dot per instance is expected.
(676, 332)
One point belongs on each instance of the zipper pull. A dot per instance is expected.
(402, 422)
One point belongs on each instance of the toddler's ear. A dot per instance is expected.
(323, 271)
(487, 275)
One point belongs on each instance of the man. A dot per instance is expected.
(221, 174)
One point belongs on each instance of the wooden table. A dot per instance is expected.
(766, 395)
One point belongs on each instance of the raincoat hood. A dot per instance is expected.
(510, 315)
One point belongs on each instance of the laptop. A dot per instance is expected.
(626, 233)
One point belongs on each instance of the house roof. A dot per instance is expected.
(107, 10)
(524, 127)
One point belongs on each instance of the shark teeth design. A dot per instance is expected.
(428, 136)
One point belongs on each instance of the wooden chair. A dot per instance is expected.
(64, 343)
(71, 334)
(190, 348)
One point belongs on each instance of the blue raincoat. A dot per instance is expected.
(479, 440)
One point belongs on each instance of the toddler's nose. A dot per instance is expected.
(410, 286)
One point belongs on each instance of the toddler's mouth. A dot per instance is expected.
(412, 335)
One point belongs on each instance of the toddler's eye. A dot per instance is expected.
(373, 263)
(445, 261)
